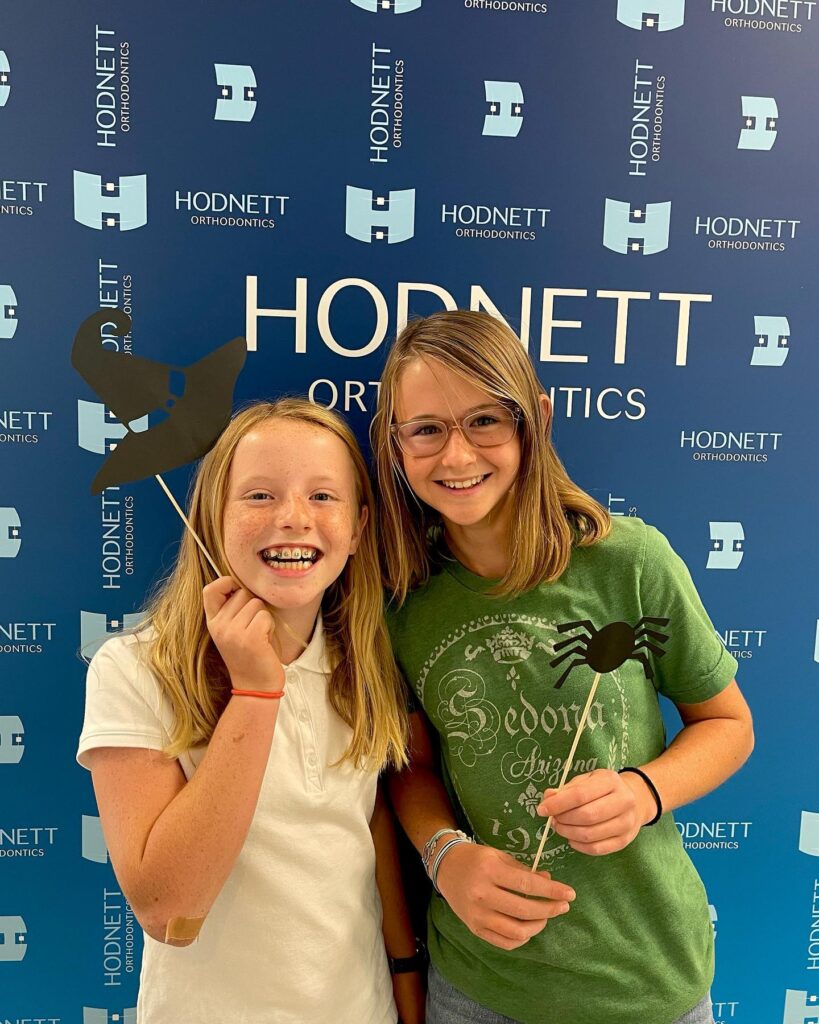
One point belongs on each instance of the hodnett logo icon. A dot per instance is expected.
(372, 218)
(120, 203)
(99, 430)
(13, 945)
(760, 115)
(97, 627)
(772, 340)
(9, 532)
(5, 78)
(712, 913)
(8, 311)
(237, 92)
(504, 117)
(660, 15)
(727, 546)
(809, 833)
(800, 1008)
(93, 1015)
(12, 746)
(387, 6)
(636, 229)
(93, 841)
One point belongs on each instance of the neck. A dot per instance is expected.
(292, 626)
(483, 548)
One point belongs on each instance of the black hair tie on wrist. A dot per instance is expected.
(653, 790)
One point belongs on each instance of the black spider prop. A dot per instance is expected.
(191, 405)
(606, 649)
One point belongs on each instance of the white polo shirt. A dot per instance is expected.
(294, 937)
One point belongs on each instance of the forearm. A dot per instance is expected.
(421, 803)
(701, 757)
(194, 843)
(399, 937)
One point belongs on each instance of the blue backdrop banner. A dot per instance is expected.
(629, 183)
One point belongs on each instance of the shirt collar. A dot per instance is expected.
(314, 657)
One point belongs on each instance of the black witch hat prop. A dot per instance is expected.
(193, 404)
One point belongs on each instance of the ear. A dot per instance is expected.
(546, 409)
(355, 540)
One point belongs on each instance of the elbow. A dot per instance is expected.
(166, 925)
(748, 740)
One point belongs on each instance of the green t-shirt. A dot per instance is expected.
(636, 945)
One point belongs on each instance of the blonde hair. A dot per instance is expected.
(550, 513)
(365, 688)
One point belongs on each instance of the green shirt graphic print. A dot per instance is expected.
(637, 943)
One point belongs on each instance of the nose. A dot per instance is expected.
(293, 513)
(457, 451)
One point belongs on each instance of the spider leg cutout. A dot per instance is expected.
(643, 659)
(571, 640)
(580, 649)
(658, 652)
(571, 665)
(564, 627)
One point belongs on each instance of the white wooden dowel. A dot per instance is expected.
(581, 725)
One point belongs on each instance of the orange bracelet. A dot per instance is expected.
(269, 694)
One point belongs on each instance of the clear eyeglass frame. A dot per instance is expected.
(464, 425)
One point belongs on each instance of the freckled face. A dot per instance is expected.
(291, 519)
(468, 485)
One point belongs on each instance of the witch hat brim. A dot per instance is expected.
(130, 386)
(193, 414)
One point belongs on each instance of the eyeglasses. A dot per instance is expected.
(484, 428)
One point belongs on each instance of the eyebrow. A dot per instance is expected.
(313, 481)
(433, 416)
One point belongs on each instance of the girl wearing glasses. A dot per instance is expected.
(489, 549)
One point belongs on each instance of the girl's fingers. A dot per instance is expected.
(596, 812)
(513, 929)
(580, 790)
(513, 906)
(247, 613)
(603, 847)
(496, 939)
(216, 593)
(618, 826)
(526, 883)
(233, 605)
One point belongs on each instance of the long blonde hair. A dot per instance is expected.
(364, 688)
(550, 512)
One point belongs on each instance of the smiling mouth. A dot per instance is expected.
(463, 485)
(302, 557)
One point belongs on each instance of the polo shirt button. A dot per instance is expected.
(311, 760)
(304, 716)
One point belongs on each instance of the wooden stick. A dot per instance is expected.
(581, 725)
(211, 562)
(184, 519)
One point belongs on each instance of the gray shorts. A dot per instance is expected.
(447, 1005)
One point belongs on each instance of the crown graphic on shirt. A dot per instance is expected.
(510, 645)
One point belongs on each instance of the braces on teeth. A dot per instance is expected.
(308, 555)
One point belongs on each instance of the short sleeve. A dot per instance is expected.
(695, 665)
(123, 702)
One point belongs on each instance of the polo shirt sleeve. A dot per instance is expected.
(123, 701)
(695, 666)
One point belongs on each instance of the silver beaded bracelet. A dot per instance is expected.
(429, 845)
(455, 841)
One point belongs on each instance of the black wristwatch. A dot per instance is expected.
(408, 964)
